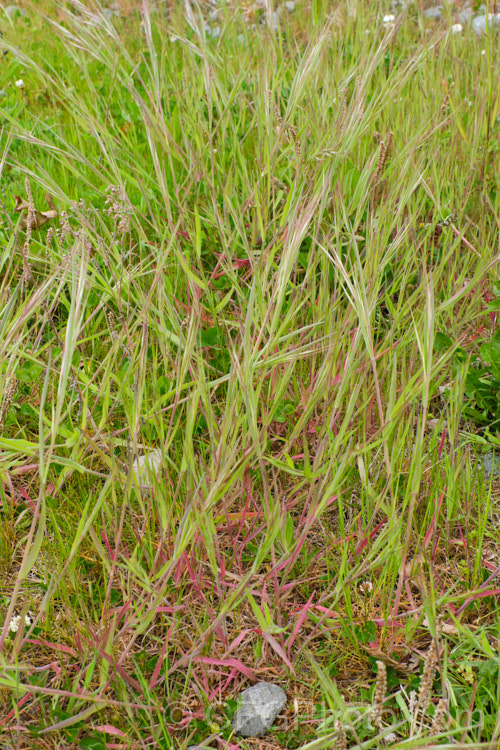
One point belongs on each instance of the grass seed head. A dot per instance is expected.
(379, 695)
(341, 739)
(424, 694)
(292, 138)
(440, 716)
(343, 113)
(10, 392)
(360, 98)
(277, 115)
(385, 150)
(118, 208)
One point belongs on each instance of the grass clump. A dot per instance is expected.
(240, 298)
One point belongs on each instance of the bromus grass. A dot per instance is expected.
(233, 444)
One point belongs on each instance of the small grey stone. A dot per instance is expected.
(14, 10)
(259, 707)
(465, 14)
(479, 25)
(491, 465)
(109, 14)
(479, 22)
(433, 13)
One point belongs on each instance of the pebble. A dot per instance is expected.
(109, 14)
(465, 14)
(433, 13)
(479, 25)
(491, 465)
(14, 10)
(146, 467)
(259, 706)
(479, 22)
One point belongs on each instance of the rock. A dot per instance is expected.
(145, 468)
(479, 23)
(465, 14)
(109, 14)
(433, 13)
(491, 465)
(14, 10)
(259, 706)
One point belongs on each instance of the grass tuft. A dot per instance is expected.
(248, 369)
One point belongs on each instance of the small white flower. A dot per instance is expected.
(457, 28)
(19, 83)
(14, 624)
(483, 52)
(365, 587)
(388, 19)
(391, 737)
(16, 621)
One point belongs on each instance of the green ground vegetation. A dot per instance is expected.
(248, 373)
